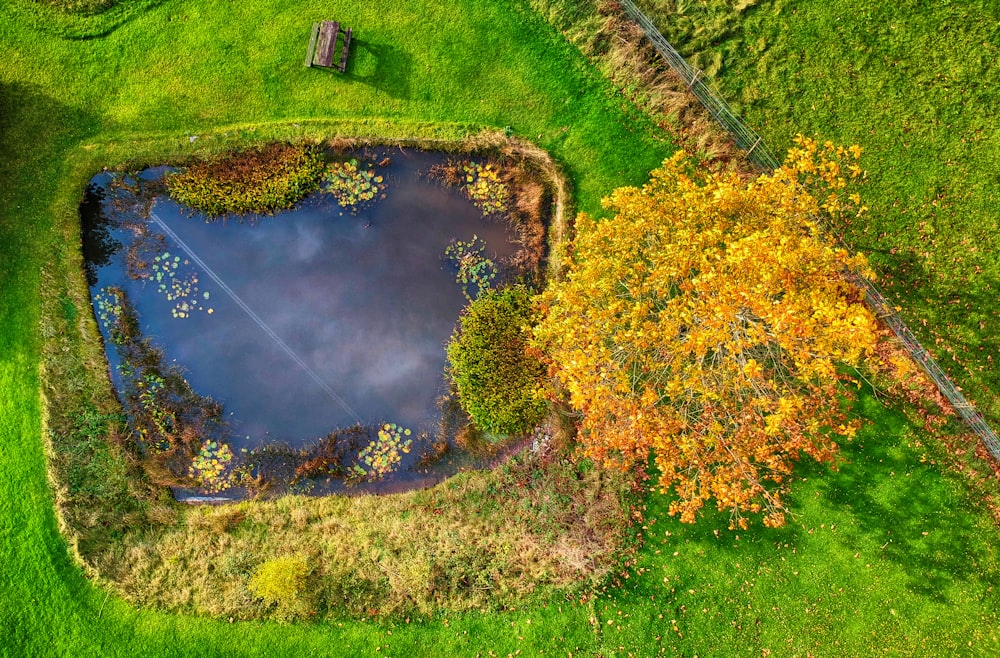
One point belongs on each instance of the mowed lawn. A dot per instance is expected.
(887, 555)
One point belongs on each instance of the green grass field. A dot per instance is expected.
(855, 574)
(917, 86)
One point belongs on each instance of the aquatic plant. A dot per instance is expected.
(350, 184)
(115, 315)
(178, 287)
(168, 420)
(164, 421)
(434, 453)
(329, 456)
(484, 188)
(383, 455)
(109, 311)
(213, 468)
(252, 181)
(474, 268)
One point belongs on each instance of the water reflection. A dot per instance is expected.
(283, 317)
(98, 244)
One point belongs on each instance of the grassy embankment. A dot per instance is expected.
(917, 86)
(904, 592)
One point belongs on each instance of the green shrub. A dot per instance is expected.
(497, 379)
(281, 580)
(253, 181)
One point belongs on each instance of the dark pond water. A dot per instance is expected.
(310, 320)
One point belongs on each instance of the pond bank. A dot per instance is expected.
(303, 324)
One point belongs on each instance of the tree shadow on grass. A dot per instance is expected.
(962, 310)
(36, 130)
(968, 319)
(899, 510)
(904, 270)
(926, 525)
(32, 127)
(30, 122)
(94, 23)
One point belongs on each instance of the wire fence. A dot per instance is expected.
(761, 156)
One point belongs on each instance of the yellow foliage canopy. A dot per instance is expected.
(705, 321)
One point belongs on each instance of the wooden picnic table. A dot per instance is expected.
(323, 45)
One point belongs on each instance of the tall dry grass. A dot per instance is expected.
(619, 49)
(481, 540)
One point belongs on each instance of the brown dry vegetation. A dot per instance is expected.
(479, 540)
(249, 166)
(528, 215)
(620, 50)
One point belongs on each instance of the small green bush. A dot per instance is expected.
(253, 181)
(497, 379)
(281, 580)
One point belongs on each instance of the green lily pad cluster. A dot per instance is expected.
(484, 188)
(474, 268)
(149, 384)
(351, 184)
(182, 289)
(116, 315)
(168, 420)
(163, 419)
(383, 455)
(211, 467)
(108, 303)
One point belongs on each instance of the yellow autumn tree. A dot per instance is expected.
(708, 323)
